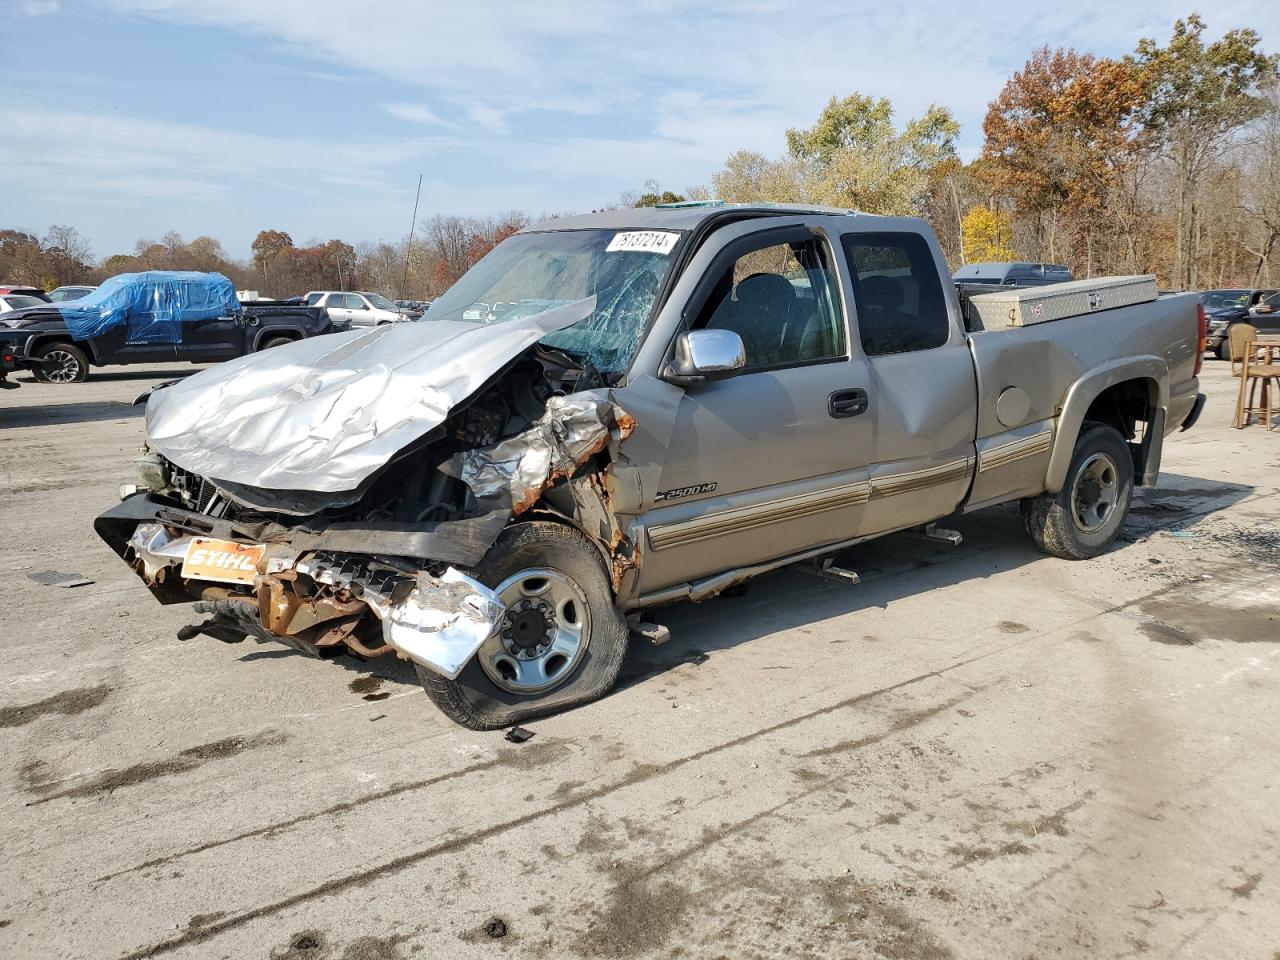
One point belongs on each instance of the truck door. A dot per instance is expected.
(218, 338)
(335, 304)
(771, 460)
(922, 390)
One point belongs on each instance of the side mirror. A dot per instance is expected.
(701, 355)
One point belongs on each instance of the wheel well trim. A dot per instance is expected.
(266, 333)
(1080, 396)
(544, 511)
(38, 341)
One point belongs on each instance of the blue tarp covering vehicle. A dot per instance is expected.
(154, 305)
(152, 317)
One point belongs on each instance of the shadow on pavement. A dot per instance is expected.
(45, 414)
(892, 568)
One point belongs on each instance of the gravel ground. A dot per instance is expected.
(977, 752)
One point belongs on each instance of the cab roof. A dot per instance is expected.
(679, 216)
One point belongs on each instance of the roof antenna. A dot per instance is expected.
(404, 284)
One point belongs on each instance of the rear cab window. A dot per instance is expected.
(897, 291)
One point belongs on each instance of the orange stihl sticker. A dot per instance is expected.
(222, 560)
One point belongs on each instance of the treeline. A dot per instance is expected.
(1166, 160)
(443, 248)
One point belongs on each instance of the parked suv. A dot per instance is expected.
(358, 309)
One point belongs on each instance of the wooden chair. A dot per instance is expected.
(1258, 372)
(1238, 337)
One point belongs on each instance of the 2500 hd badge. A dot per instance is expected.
(679, 492)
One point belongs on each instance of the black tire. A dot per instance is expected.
(1224, 348)
(275, 342)
(474, 700)
(62, 363)
(1058, 523)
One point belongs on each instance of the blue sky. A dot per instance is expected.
(128, 118)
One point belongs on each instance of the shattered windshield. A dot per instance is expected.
(532, 272)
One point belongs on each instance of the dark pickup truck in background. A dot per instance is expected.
(1225, 308)
(150, 317)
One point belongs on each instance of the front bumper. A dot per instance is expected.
(307, 598)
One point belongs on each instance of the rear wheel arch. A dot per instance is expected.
(63, 362)
(270, 336)
(1119, 394)
(39, 341)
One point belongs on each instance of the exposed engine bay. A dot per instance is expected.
(411, 488)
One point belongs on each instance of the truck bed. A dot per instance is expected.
(1037, 359)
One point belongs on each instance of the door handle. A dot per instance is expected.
(847, 403)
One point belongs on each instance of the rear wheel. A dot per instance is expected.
(62, 363)
(561, 640)
(1084, 518)
(276, 342)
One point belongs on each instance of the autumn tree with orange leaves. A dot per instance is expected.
(1060, 139)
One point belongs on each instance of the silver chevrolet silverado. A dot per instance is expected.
(654, 406)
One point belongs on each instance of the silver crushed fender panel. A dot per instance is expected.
(325, 413)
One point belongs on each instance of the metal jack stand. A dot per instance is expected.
(827, 569)
(931, 531)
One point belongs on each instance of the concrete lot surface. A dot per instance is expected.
(977, 752)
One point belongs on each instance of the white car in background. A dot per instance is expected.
(360, 309)
(19, 301)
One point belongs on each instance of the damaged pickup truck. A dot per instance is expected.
(669, 402)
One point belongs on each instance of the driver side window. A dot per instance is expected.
(781, 300)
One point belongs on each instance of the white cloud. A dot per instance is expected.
(124, 158)
(39, 8)
(416, 113)
(774, 62)
(563, 103)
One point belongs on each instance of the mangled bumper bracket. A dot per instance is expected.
(438, 622)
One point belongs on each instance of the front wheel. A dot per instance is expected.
(62, 363)
(561, 641)
(1084, 518)
(1224, 348)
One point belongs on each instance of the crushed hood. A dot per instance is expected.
(324, 414)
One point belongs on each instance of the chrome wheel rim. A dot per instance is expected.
(1095, 493)
(543, 635)
(60, 367)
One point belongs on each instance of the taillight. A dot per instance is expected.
(1203, 341)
